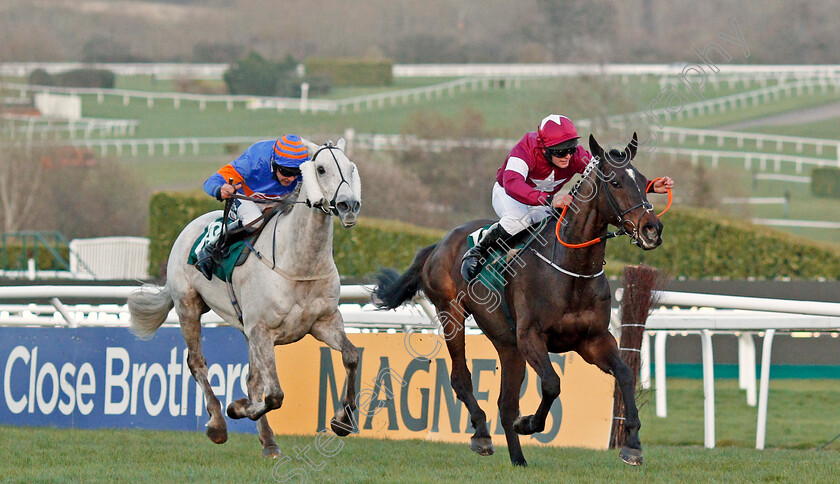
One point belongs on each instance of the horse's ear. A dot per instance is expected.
(342, 143)
(310, 146)
(595, 148)
(630, 151)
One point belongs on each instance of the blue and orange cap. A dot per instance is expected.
(289, 151)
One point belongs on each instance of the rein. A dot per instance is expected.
(620, 214)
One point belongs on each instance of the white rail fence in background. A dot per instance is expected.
(391, 142)
(677, 106)
(157, 69)
(720, 137)
(752, 316)
(215, 71)
(47, 127)
(682, 110)
(355, 104)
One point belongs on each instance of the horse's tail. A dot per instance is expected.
(393, 289)
(148, 309)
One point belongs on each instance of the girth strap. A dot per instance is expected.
(283, 273)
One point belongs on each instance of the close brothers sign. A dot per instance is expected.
(105, 377)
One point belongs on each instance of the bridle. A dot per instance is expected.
(330, 208)
(620, 215)
(622, 221)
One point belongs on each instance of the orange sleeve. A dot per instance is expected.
(228, 171)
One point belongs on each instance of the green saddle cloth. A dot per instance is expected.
(224, 270)
(492, 274)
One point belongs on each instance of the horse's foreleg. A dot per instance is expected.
(603, 353)
(189, 313)
(268, 395)
(533, 348)
(331, 332)
(513, 372)
(461, 379)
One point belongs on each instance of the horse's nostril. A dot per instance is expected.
(342, 206)
(357, 206)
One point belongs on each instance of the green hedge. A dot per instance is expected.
(697, 244)
(825, 182)
(352, 72)
(14, 259)
(703, 244)
(393, 244)
(97, 78)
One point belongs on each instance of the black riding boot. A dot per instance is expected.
(471, 262)
(214, 252)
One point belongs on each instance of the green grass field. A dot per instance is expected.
(803, 416)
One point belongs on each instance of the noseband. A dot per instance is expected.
(330, 209)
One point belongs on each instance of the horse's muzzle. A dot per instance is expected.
(348, 210)
(649, 236)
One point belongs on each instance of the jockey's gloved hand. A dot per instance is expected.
(561, 200)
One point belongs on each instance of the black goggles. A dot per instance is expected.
(288, 171)
(561, 153)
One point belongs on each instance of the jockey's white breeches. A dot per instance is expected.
(247, 211)
(515, 216)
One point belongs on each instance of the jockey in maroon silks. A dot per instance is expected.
(528, 181)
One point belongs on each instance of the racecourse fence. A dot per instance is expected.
(304, 105)
(492, 79)
(763, 161)
(216, 71)
(42, 127)
(741, 316)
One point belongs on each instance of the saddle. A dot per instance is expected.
(235, 255)
(492, 273)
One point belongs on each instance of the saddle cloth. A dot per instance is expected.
(231, 256)
(492, 273)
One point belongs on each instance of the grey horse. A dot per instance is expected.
(290, 291)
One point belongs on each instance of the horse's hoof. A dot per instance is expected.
(217, 435)
(271, 452)
(482, 445)
(341, 429)
(519, 462)
(527, 425)
(630, 456)
(233, 409)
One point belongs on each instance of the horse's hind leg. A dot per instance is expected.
(451, 317)
(603, 353)
(331, 332)
(189, 313)
(513, 372)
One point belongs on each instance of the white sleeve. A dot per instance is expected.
(517, 165)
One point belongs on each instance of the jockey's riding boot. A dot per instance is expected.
(471, 262)
(214, 252)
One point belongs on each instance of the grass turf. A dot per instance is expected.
(803, 415)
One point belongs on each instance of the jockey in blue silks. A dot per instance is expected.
(268, 170)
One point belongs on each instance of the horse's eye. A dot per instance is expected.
(321, 170)
(615, 184)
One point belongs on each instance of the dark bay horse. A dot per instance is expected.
(558, 299)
